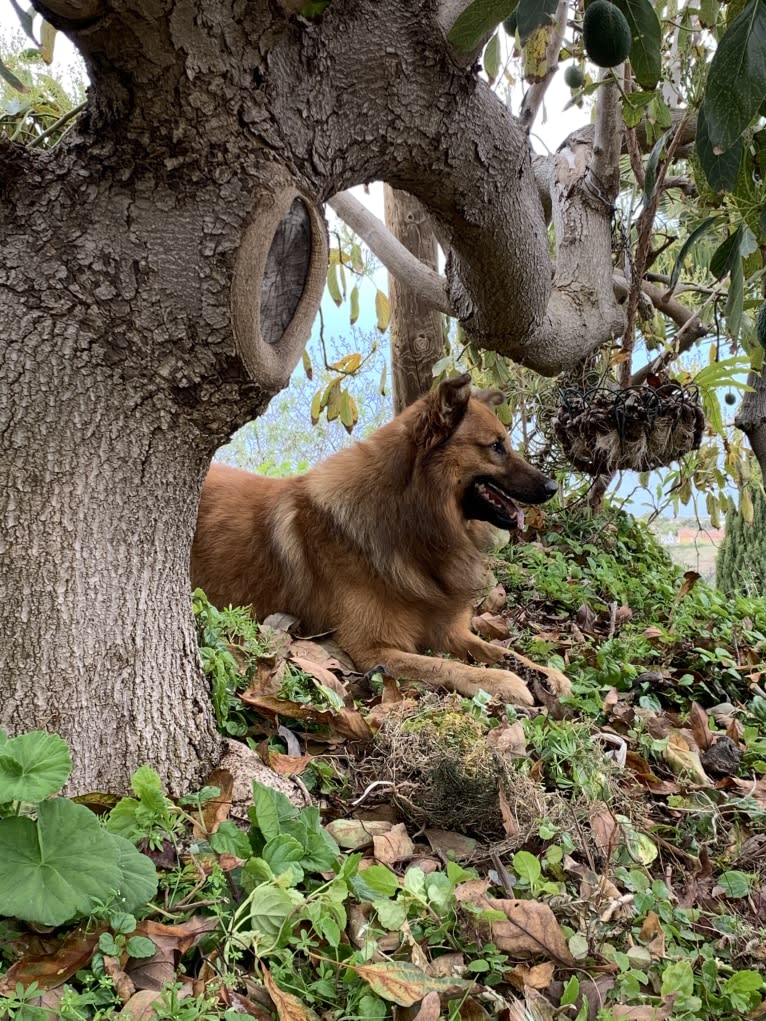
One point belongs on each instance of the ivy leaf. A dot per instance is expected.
(720, 169)
(646, 49)
(476, 22)
(736, 84)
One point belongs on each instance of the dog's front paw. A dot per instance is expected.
(506, 686)
(558, 683)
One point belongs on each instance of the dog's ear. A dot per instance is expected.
(443, 410)
(489, 397)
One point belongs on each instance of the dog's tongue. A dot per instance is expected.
(498, 497)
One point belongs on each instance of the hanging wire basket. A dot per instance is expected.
(641, 427)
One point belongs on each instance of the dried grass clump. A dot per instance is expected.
(641, 427)
(445, 774)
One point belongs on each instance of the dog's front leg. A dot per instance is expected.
(463, 642)
(451, 675)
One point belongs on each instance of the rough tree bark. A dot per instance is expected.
(160, 271)
(751, 417)
(415, 329)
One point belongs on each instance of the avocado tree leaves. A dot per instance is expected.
(645, 51)
(720, 169)
(736, 84)
(477, 21)
(533, 14)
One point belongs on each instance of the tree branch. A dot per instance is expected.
(392, 253)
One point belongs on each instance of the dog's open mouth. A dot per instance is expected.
(486, 501)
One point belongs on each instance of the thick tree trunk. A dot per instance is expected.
(97, 511)
(415, 329)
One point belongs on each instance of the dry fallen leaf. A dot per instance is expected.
(508, 739)
(401, 982)
(430, 1008)
(393, 846)
(537, 976)
(530, 927)
(288, 1007)
(684, 760)
(53, 969)
(607, 832)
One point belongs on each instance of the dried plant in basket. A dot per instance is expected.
(640, 427)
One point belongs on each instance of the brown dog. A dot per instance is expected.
(381, 543)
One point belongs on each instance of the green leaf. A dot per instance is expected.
(527, 867)
(229, 839)
(735, 298)
(678, 978)
(735, 884)
(380, 880)
(686, 247)
(58, 867)
(108, 945)
(10, 77)
(720, 169)
(736, 84)
(354, 305)
(270, 810)
(742, 989)
(533, 14)
(492, 57)
(571, 992)
(140, 947)
(727, 254)
(33, 766)
(650, 173)
(633, 106)
(270, 907)
(122, 921)
(283, 853)
(137, 884)
(392, 914)
(476, 22)
(147, 787)
(320, 850)
(646, 48)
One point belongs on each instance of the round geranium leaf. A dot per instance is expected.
(138, 882)
(33, 766)
(58, 867)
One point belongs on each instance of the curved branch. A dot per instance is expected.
(397, 259)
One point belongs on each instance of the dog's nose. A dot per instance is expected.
(551, 487)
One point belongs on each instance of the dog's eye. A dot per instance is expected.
(499, 446)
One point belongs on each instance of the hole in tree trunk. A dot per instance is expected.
(287, 267)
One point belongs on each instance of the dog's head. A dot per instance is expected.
(466, 441)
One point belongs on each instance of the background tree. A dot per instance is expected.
(741, 565)
(163, 264)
